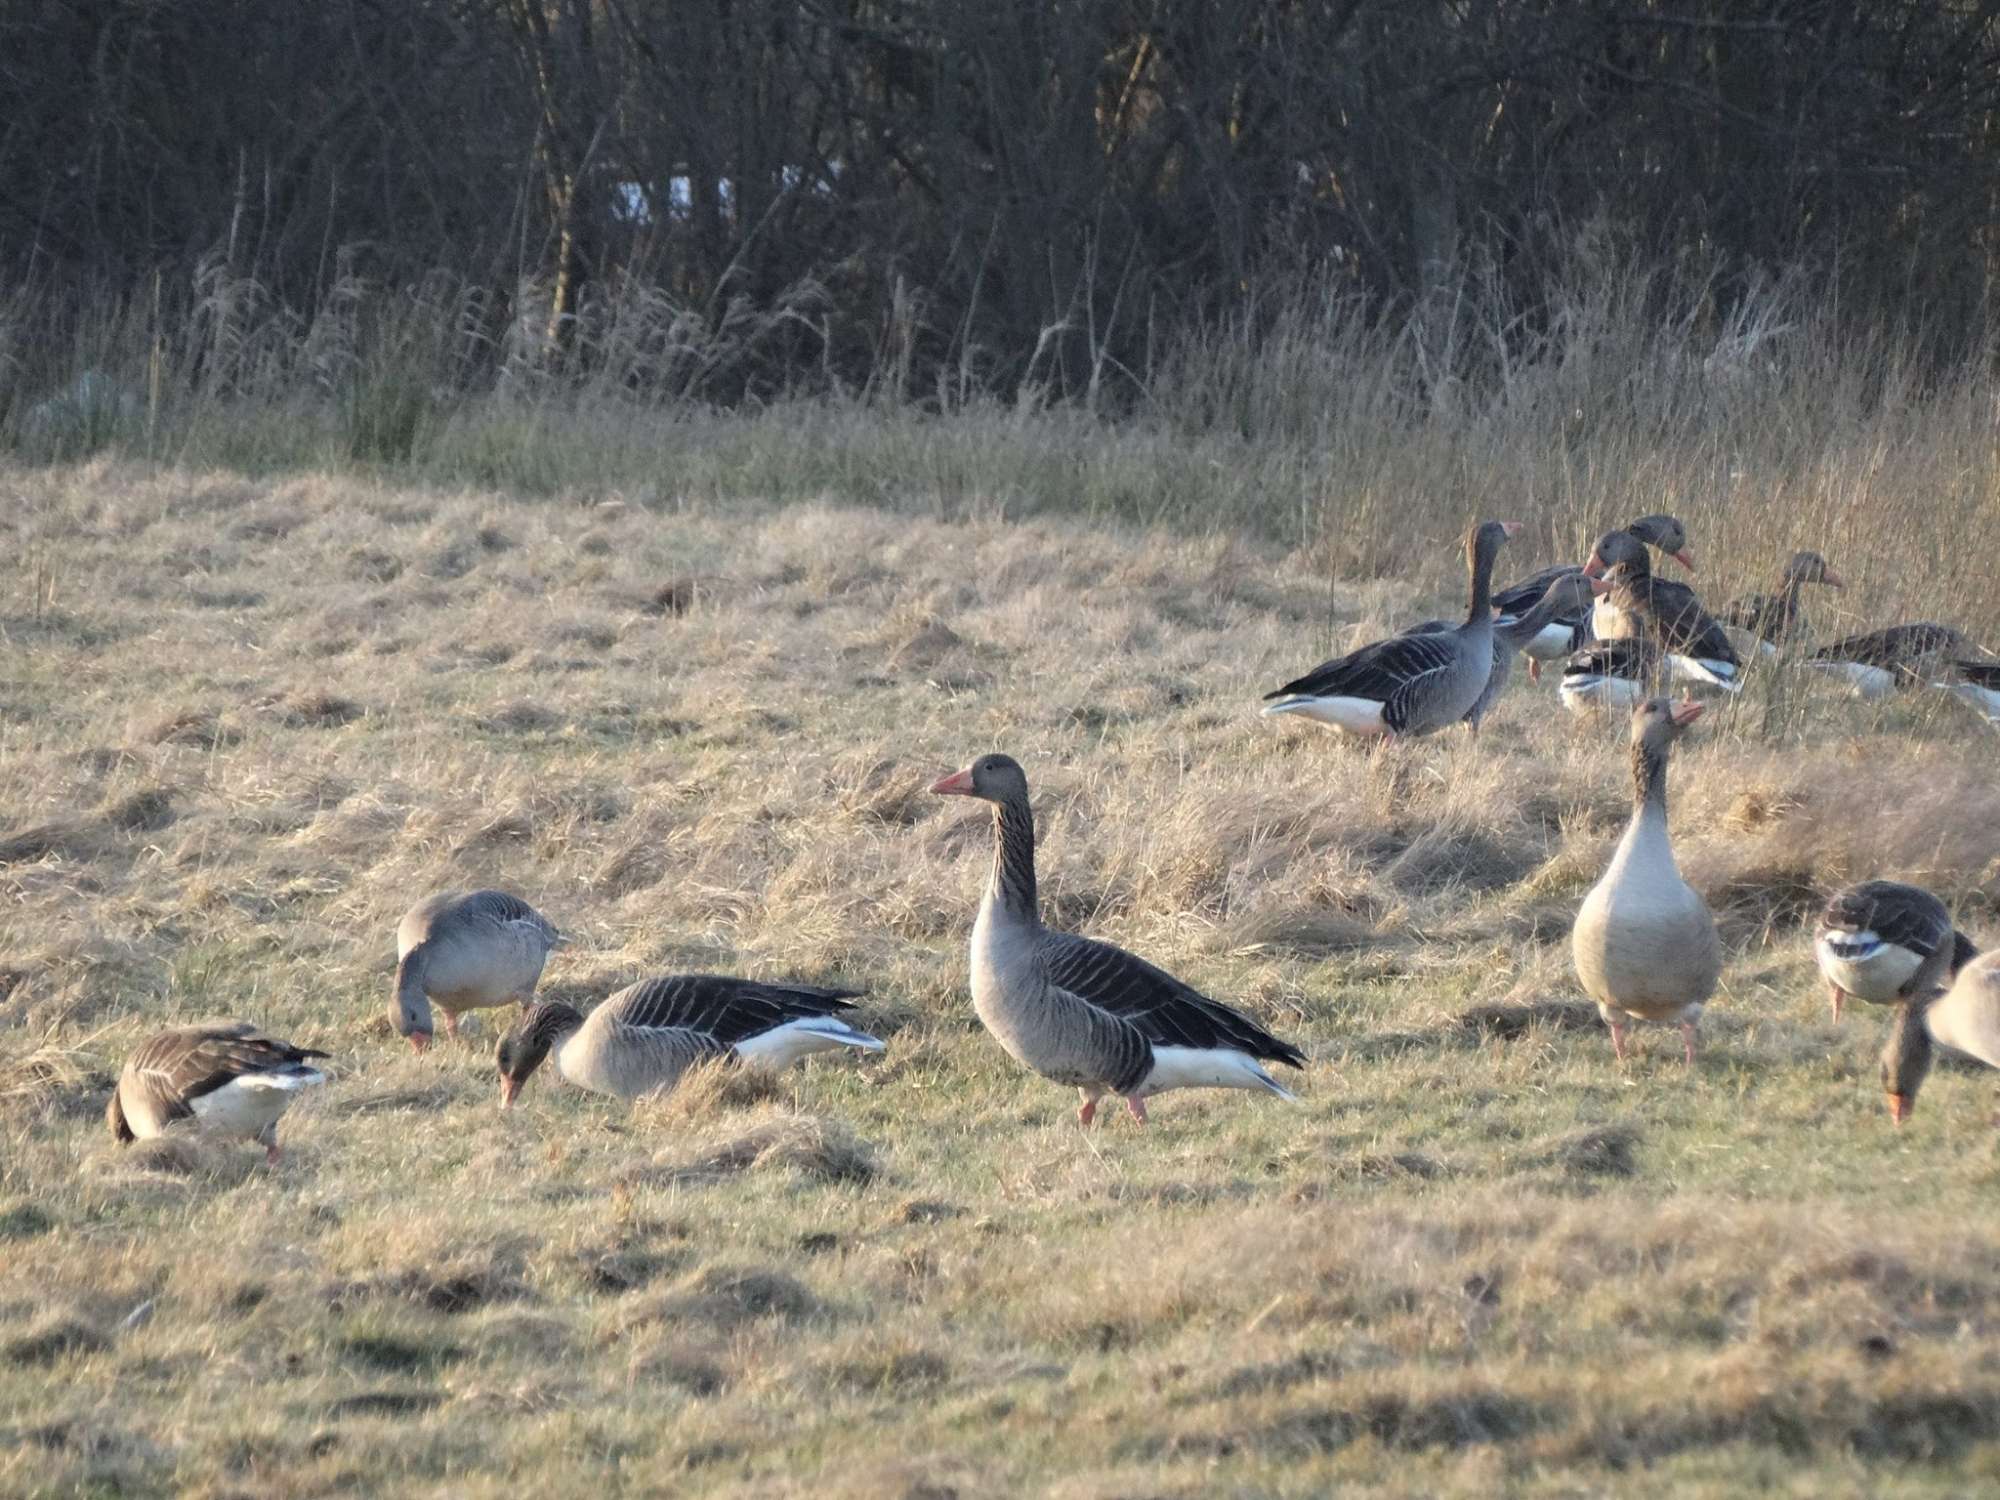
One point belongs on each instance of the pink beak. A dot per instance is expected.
(1595, 567)
(958, 784)
(419, 1040)
(1685, 712)
(509, 1089)
(1685, 559)
(1510, 527)
(1900, 1107)
(1832, 579)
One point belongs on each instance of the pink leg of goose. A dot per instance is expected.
(1138, 1107)
(451, 1024)
(1837, 994)
(1086, 1111)
(1687, 1041)
(1618, 1040)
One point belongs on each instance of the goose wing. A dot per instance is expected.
(722, 1007)
(1376, 671)
(1518, 598)
(1686, 629)
(1896, 647)
(176, 1067)
(1910, 918)
(1165, 1011)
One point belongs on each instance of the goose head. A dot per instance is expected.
(1666, 533)
(522, 1049)
(1906, 1059)
(1615, 550)
(1810, 567)
(1484, 541)
(1658, 722)
(991, 778)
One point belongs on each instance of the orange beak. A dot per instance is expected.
(958, 784)
(1685, 712)
(1595, 567)
(1510, 527)
(1685, 558)
(509, 1091)
(419, 1040)
(1832, 579)
(1900, 1106)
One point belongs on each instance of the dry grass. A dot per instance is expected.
(1477, 1256)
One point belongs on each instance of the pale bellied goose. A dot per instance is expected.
(1570, 594)
(1669, 614)
(1886, 942)
(1977, 685)
(1644, 943)
(1409, 685)
(644, 1037)
(1965, 1019)
(464, 952)
(1609, 675)
(1900, 656)
(221, 1076)
(1567, 631)
(1776, 618)
(1082, 1012)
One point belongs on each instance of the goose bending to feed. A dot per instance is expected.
(1609, 675)
(1642, 604)
(221, 1076)
(1083, 1012)
(644, 1037)
(1568, 595)
(464, 952)
(1886, 943)
(1901, 656)
(1776, 618)
(1410, 684)
(1965, 1019)
(1644, 944)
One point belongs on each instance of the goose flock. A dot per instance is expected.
(1088, 1015)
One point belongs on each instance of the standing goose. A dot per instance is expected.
(1570, 594)
(1886, 943)
(1967, 1020)
(1609, 675)
(1083, 1012)
(465, 953)
(1877, 663)
(1567, 631)
(223, 1076)
(1409, 685)
(1641, 604)
(644, 1037)
(1644, 943)
(1776, 618)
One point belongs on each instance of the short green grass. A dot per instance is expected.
(245, 723)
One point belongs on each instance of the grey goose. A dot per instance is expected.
(1886, 943)
(465, 952)
(1965, 1018)
(1410, 684)
(1569, 595)
(1776, 618)
(221, 1076)
(1669, 614)
(1082, 1012)
(642, 1039)
(1877, 663)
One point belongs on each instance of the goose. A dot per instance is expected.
(1566, 632)
(1410, 684)
(1082, 1012)
(464, 953)
(1965, 1019)
(222, 1076)
(1571, 594)
(1776, 618)
(1644, 944)
(643, 1038)
(1664, 532)
(1641, 604)
(1886, 943)
(1976, 684)
(1877, 663)
(1609, 675)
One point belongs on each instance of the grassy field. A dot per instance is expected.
(245, 722)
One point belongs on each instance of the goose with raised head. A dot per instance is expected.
(1410, 684)
(221, 1076)
(1886, 943)
(1644, 944)
(1570, 594)
(1776, 618)
(465, 952)
(1083, 1012)
(1669, 614)
(1965, 1018)
(642, 1039)
(1877, 663)
(1567, 630)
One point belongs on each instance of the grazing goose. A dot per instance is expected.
(1668, 613)
(1571, 594)
(1886, 943)
(1083, 1012)
(224, 1076)
(1644, 943)
(1876, 664)
(463, 953)
(1410, 684)
(1609, 675)
(1976, 684)
(1967, 1020)
(644, 1037)
(1776, 618)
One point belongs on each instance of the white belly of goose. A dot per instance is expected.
(246, 1105)
(784, 1045)
(1862, 680)
(1593, 692)
(1207, 1068)
(1551, 642)
(1704, 669)
(1355, 715)
(1862, 964)
(1982, 700)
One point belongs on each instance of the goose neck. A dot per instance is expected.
(1012, 888)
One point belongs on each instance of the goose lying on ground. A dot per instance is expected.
(1644, 944)
(222, 1076)
(1609, 675)
(644, 1037)
(1977, 685)
(1570, 594)
(1901, 656)
(1083, 1012)
(465, 952)
(1410, 684)
(1965, 1019)
(1776, 618)
(1886, 943)
(1666, 613)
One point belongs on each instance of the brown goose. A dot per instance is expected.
(1776, 618)
(221, 1076)
(1644, 944)
(463, 952)
(1965, 1019)
(1886, 943)
(1900, 656)
(1669, 614)
(1413, 684)
(1082, 1012)
(644, 1037)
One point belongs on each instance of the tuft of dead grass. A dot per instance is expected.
(806, 1144)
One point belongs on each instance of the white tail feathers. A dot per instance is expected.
(784, 1045)
(1208, 1068)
